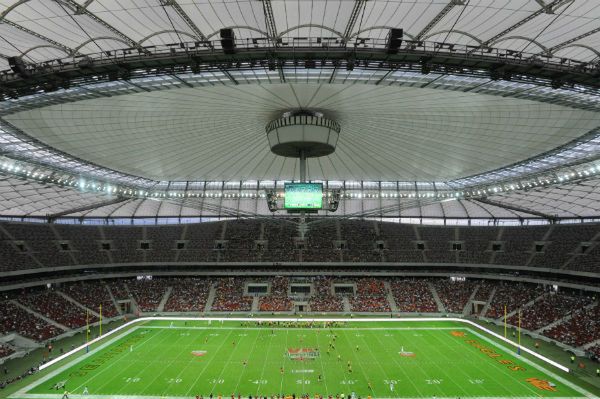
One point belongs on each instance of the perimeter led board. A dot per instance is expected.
(303, 196)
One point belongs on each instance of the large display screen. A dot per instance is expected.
(303, 196)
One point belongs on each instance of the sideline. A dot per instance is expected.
(22, 393)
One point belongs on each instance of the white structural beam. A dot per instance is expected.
(451, 4)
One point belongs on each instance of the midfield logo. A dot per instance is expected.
(303, 353)
(198, 353)
(404, 353)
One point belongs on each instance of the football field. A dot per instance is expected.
(161, 358)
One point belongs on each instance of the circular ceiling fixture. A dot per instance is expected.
(303, 134)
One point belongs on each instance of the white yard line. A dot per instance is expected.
(360, 363)
(182, 369)
(248, 356)
(322, 373)
(483, 370)
(227, 363)
(207, 364)
(287, 334)
(123, 357)
(262, 373)
(400, 365)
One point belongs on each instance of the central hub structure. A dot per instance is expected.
(303, 134)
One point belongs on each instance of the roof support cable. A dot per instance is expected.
(547, 26)
(16, 48)
(121, 71)
(79, 10)
(162, 3)
(80, 27)
(438, 18)
(465, 5)
(553, 5)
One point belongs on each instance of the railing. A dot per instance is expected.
(319, 46)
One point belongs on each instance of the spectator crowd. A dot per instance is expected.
(35, 245)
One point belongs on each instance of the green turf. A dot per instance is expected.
(156, 360)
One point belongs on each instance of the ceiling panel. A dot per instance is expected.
(388, 133)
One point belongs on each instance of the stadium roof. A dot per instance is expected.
(47, 30)
(23, 199)
(179, 131)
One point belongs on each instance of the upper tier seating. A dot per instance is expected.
(241, 237)
(200, 242)
(477, 244)
(85, 243)
(36, 245)
(162, 241)
(360, 237)
(437, 243)
(400, 243)
(319, 243)
(280, 242)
